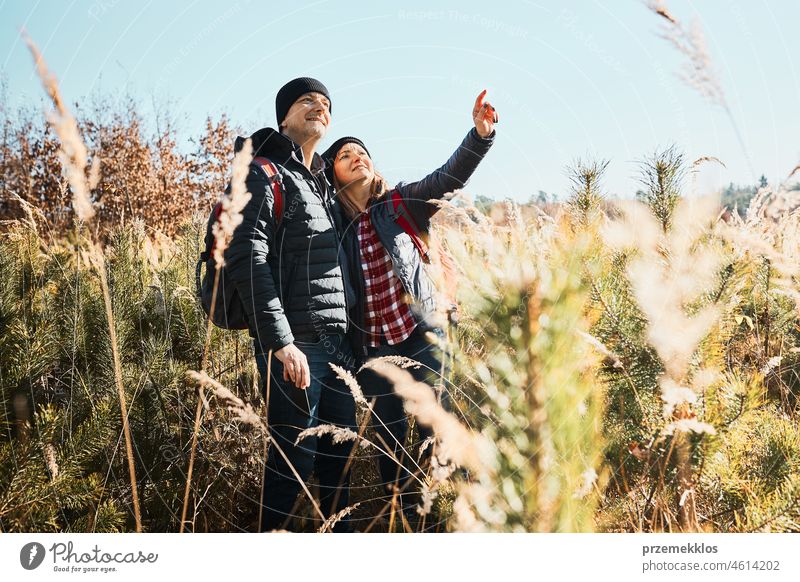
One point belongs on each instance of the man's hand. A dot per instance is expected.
(484, 116)
(295, 366)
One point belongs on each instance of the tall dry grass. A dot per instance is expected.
(73, 156)
(698, 71)
(616, 366)
(575, 407)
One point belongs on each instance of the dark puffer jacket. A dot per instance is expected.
(406, 260)
(288, 275)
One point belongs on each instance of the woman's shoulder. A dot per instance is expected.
(385, 199)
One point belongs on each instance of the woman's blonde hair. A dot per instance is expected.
(377, 189)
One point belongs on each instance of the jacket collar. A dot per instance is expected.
(272, 144)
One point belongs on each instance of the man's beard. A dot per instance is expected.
(310, 131)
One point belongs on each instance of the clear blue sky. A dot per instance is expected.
(579, 78)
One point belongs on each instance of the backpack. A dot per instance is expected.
(228, 310)
(406, 221)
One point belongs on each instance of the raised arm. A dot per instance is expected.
(457, 170)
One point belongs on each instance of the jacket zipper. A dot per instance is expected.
(323, 196)
(362, 294)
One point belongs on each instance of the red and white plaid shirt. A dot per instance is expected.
(386, 312)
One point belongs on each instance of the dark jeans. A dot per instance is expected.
(329, 401)
(389, 420)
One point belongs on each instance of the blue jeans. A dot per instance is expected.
(291, 410)
(389, 420)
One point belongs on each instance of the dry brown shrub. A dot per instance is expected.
(147, 174)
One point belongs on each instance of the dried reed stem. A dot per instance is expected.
(244, 413)
(73, 156)
(224, 227)
(698, 72)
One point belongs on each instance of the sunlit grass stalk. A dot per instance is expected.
(245, 413)
(73, 156)
(228, 220)
(699, 72)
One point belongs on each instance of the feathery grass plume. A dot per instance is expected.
(336, 518)
(704, 160)
(223, 229)
(464, 517)
(233, 203)
(698, 72)
(678, 260)
(427, 497)
(244, 412)
(660, 8)
(771, 232)
(450, 215)
(440, 471)
(694, 170)
(338, 434)
(399, 361)
(756, 211)
(350, 382)
(50, 460)
(29, 210)
(425, 445)
(763, 240)
(241, 411)
(73, 156)
(524, 300)
(456, 443)
(72, 153)
(670, 272)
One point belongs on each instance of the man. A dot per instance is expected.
(287, 273)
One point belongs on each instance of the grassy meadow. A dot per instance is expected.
(617, 365)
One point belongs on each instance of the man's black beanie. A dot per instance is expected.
(292, 90)
(329, 155)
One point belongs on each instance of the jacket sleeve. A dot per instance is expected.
(453, 175)
(248, 269)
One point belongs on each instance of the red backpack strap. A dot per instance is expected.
(406, 222)
(217, 210)
(275, 182)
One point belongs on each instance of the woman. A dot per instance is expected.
(385, 268)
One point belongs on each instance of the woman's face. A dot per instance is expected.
(352, 165)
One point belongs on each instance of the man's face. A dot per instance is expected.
(308, 117)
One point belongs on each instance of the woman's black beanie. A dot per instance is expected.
(329, 155)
